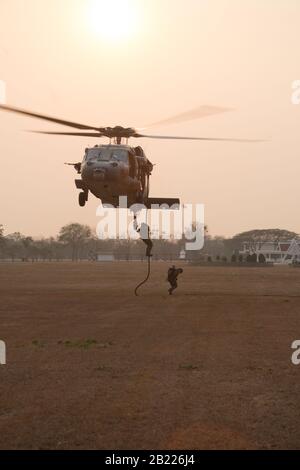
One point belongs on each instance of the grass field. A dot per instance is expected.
(89, 365)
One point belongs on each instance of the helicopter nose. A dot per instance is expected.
(99, 174)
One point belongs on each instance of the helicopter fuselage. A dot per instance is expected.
(111, 171)
(114, 170)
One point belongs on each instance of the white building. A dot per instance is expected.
(279, 252)
(105, 257)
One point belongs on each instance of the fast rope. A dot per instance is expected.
(146, 278)
(147, 240)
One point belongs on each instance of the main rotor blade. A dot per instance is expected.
(196, 113)
(81, 134)
(217, 139)
(46, 118)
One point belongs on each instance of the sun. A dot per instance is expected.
(113, 20)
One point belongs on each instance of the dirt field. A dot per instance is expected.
(89, 365)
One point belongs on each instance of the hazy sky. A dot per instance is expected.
(72, 59)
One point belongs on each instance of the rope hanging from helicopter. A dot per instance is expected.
(146, 278)
(144, 232)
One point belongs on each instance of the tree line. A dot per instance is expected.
(78, 242)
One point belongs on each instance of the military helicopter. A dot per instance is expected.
(116, 169)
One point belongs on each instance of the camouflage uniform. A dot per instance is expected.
(173, 273)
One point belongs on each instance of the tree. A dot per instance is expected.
(214, 246)
(261, 258)
(75, 236)
(1, 235)
(254, 258)
(14, 247)
(27, 243)
(266, 235)
(2, 240)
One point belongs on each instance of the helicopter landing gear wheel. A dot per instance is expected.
(82, 199)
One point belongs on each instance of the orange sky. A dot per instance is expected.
(174, 56)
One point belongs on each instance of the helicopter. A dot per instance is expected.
(116, 169)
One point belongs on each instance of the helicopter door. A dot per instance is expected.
(132, 166)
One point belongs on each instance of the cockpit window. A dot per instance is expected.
(107, 154)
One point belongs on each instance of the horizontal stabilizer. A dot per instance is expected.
(172, 203)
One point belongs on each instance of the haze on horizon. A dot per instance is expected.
(72, 59)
